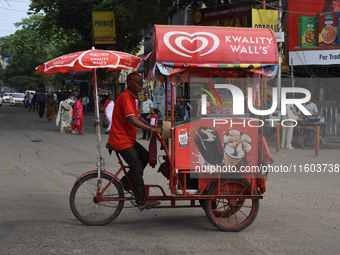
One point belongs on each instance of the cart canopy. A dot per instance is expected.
(179, 48)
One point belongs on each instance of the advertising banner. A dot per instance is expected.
(228, 15)
(323, 37)
(302, 8)
(265, 19)
(104, 27)
(316, 57)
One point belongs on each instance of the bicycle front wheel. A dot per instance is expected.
(90, 210)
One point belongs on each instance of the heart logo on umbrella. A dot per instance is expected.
(69, 56)
(99, 54)
(209, 42)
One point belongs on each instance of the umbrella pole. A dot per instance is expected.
(97, 123)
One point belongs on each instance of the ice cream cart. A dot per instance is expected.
(216, 159)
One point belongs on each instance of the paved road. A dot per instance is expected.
(38, 166)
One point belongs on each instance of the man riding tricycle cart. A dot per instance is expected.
(213, 160)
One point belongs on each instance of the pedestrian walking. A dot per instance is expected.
(154, 117)
(85, 101)
(78, 116)
(287, 130)
(73, 97)
(27, 99)
(109, 105)
(42, 102)
(50, 109)
(61, 96)
(30, 102)
(35, 101)
(65, 113)
(145, 108)
(55, 101)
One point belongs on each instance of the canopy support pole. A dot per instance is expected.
(97, 121)
(172, 180)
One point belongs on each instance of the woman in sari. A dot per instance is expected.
(65, 114)
(78, 116)
(50, 109)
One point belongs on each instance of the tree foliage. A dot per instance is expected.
(23, 51)
(133, 16)
(31, 46)
(66, 26)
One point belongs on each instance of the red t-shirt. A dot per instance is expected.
(107, 102)
(154, 117)
(123, 133)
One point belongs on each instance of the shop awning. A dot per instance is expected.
(214, 47)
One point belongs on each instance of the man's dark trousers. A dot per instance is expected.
(41, 108)
(145, 116)
(137, 157)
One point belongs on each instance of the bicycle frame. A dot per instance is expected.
(164, 197)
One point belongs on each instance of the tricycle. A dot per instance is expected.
(215, 160)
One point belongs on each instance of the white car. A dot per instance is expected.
(17, 99)
(7, 97)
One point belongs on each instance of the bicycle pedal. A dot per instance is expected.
(133, 200)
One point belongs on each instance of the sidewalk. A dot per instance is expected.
(302, 163)
(334, 141)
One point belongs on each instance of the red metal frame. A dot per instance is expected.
(163, 197)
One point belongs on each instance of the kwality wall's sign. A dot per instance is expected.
(315, 57)
(213, 45)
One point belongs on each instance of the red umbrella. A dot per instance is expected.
(88, 60)
(91, 60)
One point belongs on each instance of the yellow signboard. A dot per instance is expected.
(104, 27)
(263, 18)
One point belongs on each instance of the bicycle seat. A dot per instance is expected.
(109, 148)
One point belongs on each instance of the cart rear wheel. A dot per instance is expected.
(202, 203)
(231, 215)
(87, 209)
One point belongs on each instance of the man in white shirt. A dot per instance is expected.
(85, 101)
(145, 109)
(55, 101)
(312, 108)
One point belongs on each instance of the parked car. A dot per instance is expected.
(0, 101)
(17, 99)
(7, 97)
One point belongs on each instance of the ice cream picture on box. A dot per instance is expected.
(233, 150)
(236, 147)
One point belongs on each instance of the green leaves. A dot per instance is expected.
(66, 26)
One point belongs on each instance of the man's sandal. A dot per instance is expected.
(149, 205)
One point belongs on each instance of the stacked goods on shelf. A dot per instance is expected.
(327, 24)
(307, 31)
